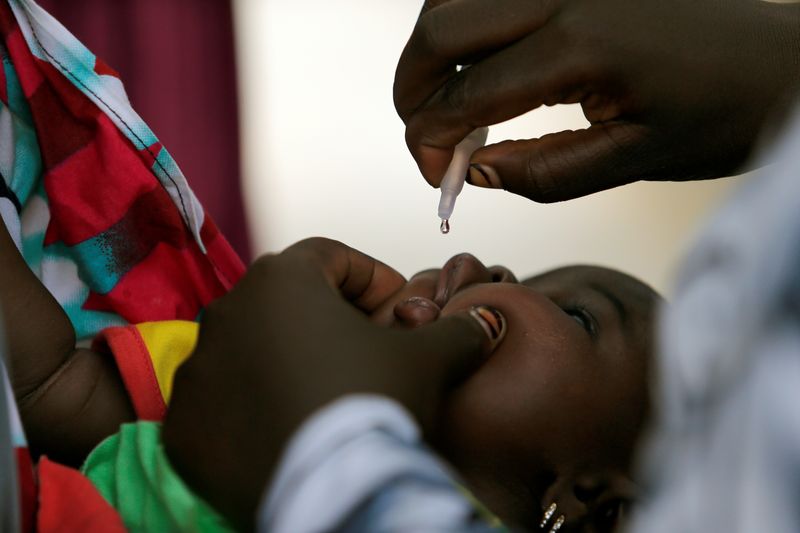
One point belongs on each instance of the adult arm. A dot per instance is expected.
(69, 398)
(291, 337)
(673, 90)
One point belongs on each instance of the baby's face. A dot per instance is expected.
(564, 393)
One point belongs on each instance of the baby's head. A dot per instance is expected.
(554, 414)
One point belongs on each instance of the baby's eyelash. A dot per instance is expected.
(583, 317)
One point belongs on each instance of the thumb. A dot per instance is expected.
(430, 4)
(454, 346)
(568, 164)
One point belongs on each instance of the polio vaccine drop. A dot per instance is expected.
(453, 180)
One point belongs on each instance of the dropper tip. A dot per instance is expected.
(444, 227)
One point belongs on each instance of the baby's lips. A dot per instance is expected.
(417, 311)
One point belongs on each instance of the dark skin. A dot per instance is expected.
(223, 394)
(555, 413)
(69, 398)
(72, 398)
(292, 336)
(675, 90)
(661, 107)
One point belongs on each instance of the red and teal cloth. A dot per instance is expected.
(99, 210)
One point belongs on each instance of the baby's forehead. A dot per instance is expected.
(578, 277)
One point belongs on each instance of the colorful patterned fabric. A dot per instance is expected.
(103, 216)
(99, 209)
(147, 356)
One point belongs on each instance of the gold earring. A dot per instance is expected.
(548, 514)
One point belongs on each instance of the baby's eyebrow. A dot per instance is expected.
(616, 302)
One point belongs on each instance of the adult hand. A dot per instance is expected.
(292, 336)
(674, 90)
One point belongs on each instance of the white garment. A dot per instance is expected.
(358, 465)
(725, 455)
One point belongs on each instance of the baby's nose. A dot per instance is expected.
(460, 271)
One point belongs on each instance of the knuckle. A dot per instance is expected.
(402, 103)
(312, 248)
(412, 137)
(437, 35)
(265, 268)
(316, 244)
(431, 4)
(456, 95)
(262, 263)
(320, 249)
(427, 36)
(539, 182)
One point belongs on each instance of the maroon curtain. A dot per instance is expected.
(176, 59)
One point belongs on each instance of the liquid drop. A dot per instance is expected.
(445, 226)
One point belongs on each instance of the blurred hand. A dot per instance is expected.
(292, 336)
(674, 90)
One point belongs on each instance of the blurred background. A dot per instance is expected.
(314, 145)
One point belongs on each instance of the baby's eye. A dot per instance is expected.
(584, 319)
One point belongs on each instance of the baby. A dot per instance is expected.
(552, 416)
(555, 412)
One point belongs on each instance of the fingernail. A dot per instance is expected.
(483, 176)
(416, 311)
(491, 320)
(418, 301)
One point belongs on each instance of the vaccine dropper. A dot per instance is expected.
(453, 180)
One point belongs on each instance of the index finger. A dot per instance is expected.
(362, 280)
(452, 33)
(449, 33)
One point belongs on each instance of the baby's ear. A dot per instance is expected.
(599, 501)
